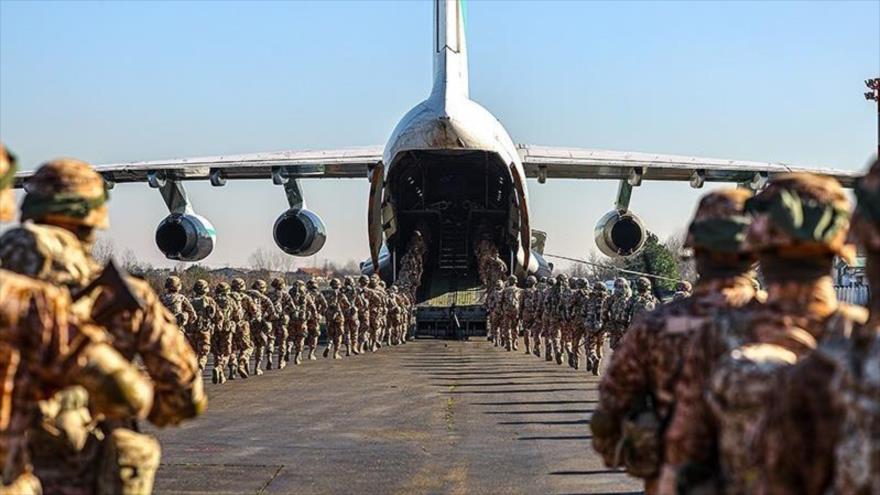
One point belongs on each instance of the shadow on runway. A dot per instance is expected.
(547, 423)
(535, 402)
(543, 411)
(558, 437)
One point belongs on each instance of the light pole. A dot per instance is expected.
(874, 94)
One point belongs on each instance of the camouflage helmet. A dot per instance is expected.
(66, 190)
(621, 283)
(259, 285)
(720, 222)
(373, 282)
(222, 288)
(800, 215)
(866, 220)
(600, 286)
(335, 283)
(278, 283)
(363, 280)
(381, 284)
(348, 281)
(531, 281)
(643, 284)
(172, 283)
(299, 286)
(393, 289)
(238, 284)
(312, 283)
(684, 286)
(562, 277)
(511, 280)
(499, 284)
(201, 287)
(543, 280)
(7, 177)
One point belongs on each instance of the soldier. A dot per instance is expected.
(356, 301)
(304, 306)
(736, 364)
(382, 330)
(643, 301)
(376, 300)
(395, 316)
(560, 301)
(493, 313)
(823, 429)
(648, 360)
(407, 316)
(531, 302)
(228, 317)
(207, 318)
(64, 206)
(548, 318)
(178, 304)
(51, 349)
(242, 341)
(596, 314)
(619, 311)
(337, 306)
(313, 324)
(364, 312)
(579, 318)
(683, 290)
(509, 314)
(283, 308)
(261, 331)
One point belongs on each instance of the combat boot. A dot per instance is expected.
(326, 352)
(347, 350)
(221, 377)
(537, 350)
(298, 358)
(282, 362)
(215, 375)
(336, 354)
(243, 369)
(548, 353)
(257, 370)
(558, 352)
(231, 371)
(312, 354)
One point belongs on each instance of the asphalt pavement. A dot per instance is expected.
(431, 416)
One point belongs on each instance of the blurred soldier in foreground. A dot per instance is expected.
(313, 324)
(637, 392)
(228, 315)
(65, 203)
(178, 304)
(261, 331)
(283, 309)
(207, 318)
(823, 429)
(303, 308)
(618, 311)
(733, 370)
(44, 347)
(595, 319)
(337, 306)
(242, 341)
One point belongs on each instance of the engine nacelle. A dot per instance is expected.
(620, 234)
(299, 232)
(185, 237)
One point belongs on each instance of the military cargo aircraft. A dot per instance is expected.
(449, 167)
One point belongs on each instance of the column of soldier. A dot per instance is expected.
(566, 315)
(271, 323)
(731, 389)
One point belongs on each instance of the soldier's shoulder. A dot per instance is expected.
(12, 283)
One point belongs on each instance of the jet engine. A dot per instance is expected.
(299, 232)
(620, 234)
(185, 237)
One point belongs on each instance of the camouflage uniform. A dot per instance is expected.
(356, 301)
(242, 341)
(283, 308)
(364, 313)
(509, 314)
(595, 318)
(228, 317)
(529, 310)
(824, 426)
(43, 348)
(561, 299)
(337, 307)
(395, 316)
(304, 307)
(68, 192)
(178, 304)
(579, 319)
(493, 312)
(406, 316)
(737, 363)
(207, 318)
(376, 300)
(547, 318)
(261, 331)
(313, 324)
(619, 311)
(643, 301)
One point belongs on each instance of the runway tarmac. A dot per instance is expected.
(428, 417)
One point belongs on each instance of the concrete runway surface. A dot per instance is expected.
(428, 417)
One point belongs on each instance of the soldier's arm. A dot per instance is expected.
(170, 362)
(190, 311)
(625, 380)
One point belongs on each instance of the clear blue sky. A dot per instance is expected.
(113, 82)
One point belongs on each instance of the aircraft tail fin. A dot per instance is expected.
(450, 49)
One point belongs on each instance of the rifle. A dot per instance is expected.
(119, 294)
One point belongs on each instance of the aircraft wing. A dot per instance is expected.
(341, 163)
(544, 162)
